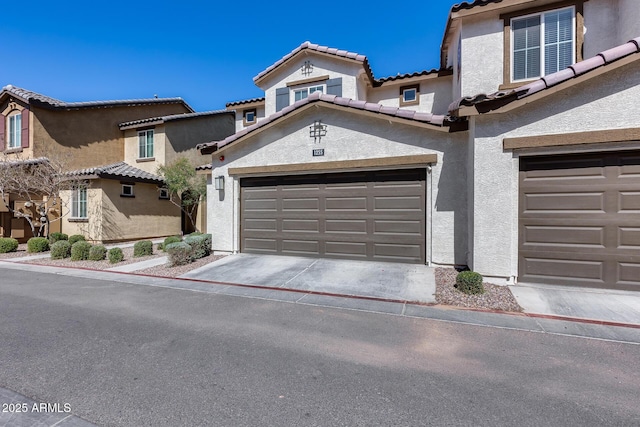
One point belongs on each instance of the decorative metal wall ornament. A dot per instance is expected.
(317, 130)
(307, 68)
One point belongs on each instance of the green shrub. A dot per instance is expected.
(143, 248)
(169, 240)
(179, 253)
(8, 244)
(61, 249)
(55, 237)
(37, 244)
(76, 238)
(159, 246)
(80, 250)
(97, 253)
(201, 244)
(115, 255)
(469, 282)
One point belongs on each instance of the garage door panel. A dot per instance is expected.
(335, 215)
(578, 226)
(554, 236)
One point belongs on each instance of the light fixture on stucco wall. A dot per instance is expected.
(218, 182)
(317, 130)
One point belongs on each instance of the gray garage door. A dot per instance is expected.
(361, 215)
(580, 220)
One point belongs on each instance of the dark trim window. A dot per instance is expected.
(163, 194)
(410, 95)
(249, 117)
(145, 144)
(127, 190)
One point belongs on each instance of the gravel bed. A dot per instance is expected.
(495, 297)
(164, 271)
(95, 265)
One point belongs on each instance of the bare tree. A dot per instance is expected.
(30, 189)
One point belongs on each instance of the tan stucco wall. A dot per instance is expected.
(114, 218)
(90, 136)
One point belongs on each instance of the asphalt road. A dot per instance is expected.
(130, 355)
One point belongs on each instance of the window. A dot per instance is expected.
(79, 203)
(15, 130)
(249, 117)
(542, 44)
(410, 95)
(127, 190)
(164, 194)
(145, 144)
(304, 93)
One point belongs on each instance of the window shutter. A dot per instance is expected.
(334, 86)
(282, 98)
(24, 134)
(3, 125)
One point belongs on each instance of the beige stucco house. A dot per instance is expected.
(517, 158)
(99, 142)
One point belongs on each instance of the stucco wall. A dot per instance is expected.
(131, 149)
(239, 119)
(90, 136)
(349, 137)
(322, 66)
(606, 102)
(435, 95)
(182, 136)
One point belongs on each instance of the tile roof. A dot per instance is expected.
(471, 4)
(163, 119)
(488, 102)
(428, 118)
(246, 101)
(117, 171)
(30, 96)
(208, 166)
(35, 161)
(317, 48)
(441, 71)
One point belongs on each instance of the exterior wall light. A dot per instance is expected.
(218, 182)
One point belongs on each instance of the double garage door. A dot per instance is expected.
(580, 220)
(360, 215)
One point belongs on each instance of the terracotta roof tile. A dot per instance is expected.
(322, 49)
(246, 101)
(441, 71)
(433, 119)
(29, 96)
(119, 170)
(602, 59)
(472, 4)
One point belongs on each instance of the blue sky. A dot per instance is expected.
(205, 52)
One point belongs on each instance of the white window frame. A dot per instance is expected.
(543, 43)
(407, 90)
(143, 144)
(128, 192)
(308, 90)
(14, 130)
(79, 203)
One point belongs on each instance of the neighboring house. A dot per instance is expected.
(122, 200)
(533, 176)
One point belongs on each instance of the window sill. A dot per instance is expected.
(146, 159)
(128, 195)
(409, 103)
(13, 150)
(509, 86)
(78, 219)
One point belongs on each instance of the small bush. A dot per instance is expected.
(8, 244)
(469, 282)
(201, 244)
(56, 237)
(115, 255)
(169, 240)
(37, 244)
(80, 250)
(97, 253)
(61, 249)
(179, 253)
(76, 238)
(143, 248)
(159, 246)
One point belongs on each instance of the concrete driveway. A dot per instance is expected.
(384, 280)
